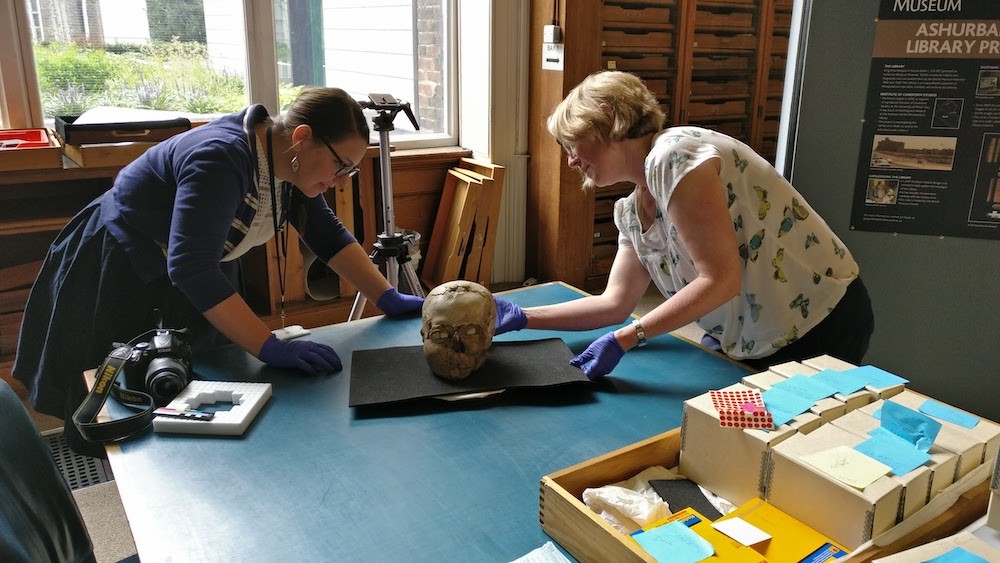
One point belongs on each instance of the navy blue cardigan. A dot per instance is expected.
(173, 209)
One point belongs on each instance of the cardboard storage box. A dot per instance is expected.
(943, 464)
(848, 515)
(968, 449)
(971, 539)
(851, 401)
(29, 149)
(985, 431)
(993, 514)
(826, 409)
(963, 540)
(829, 362)
(735, 465)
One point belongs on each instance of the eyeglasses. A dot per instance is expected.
(345, 170)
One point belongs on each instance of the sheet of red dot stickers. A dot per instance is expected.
(741, 409)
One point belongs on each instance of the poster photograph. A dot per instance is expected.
(930, 147)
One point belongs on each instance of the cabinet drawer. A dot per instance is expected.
(604, 232)
(13, 300)
(604, 208)
(721, 62)
(770, 128)
(710, 18)
(658, 86)
(637, 61)
(746, 41)
(714, 109)
(768, 148)
(601, 259)
(775, 86)
(719, 86)
(621, 189)
(772, 106)
(778, 62)
(10, 326)
(637, 38)
(779, 44)
(635, 13)
(782, 21)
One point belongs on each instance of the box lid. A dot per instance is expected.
(146, 131)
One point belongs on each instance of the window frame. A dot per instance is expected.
(20, 99)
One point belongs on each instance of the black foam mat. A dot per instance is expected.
(390, 375)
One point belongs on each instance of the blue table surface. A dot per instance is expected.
(315, 480)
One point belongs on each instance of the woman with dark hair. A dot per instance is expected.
(167, 235)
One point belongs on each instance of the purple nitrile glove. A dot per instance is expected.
(394, 303)
(510, 317)
(311, 357)
(600, 357)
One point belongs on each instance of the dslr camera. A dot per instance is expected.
(160, 367)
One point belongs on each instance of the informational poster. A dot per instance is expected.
(930, 147)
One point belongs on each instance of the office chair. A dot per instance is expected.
(39, 520)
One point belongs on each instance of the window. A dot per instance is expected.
(192, 56)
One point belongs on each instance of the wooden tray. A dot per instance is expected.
(29, 149)
(106, 154)
(586, 536)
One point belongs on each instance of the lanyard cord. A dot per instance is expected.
(279, 229)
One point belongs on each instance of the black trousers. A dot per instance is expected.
(843, 334)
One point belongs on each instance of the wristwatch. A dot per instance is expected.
(640, 334)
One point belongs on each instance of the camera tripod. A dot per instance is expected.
(390, 249)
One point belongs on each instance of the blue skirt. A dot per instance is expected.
(86, 298)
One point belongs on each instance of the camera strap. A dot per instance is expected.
(106, 384)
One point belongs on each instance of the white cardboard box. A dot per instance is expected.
(993, 513)
(968, 449)
(917, 484)
(827, 408)
(829, 362)
(851, 401)
(964, 540)
(943, 464)
(846, 514)
(730, 462)
(985, 431)
(981, 538)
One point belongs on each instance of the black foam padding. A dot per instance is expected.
(389, 375)
(684, 493)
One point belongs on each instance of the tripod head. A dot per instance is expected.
(387, 107)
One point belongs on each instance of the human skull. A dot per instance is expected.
(459, 318)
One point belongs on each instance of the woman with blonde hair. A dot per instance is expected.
(729, 243)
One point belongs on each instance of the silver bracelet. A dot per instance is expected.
(640, 334)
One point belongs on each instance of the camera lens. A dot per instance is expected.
(165, 378)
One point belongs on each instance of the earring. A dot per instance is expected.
(295, 163)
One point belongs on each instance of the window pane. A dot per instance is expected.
(177, 55)
(396, 47)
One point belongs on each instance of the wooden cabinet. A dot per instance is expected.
(717, 64)
(36, 204)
